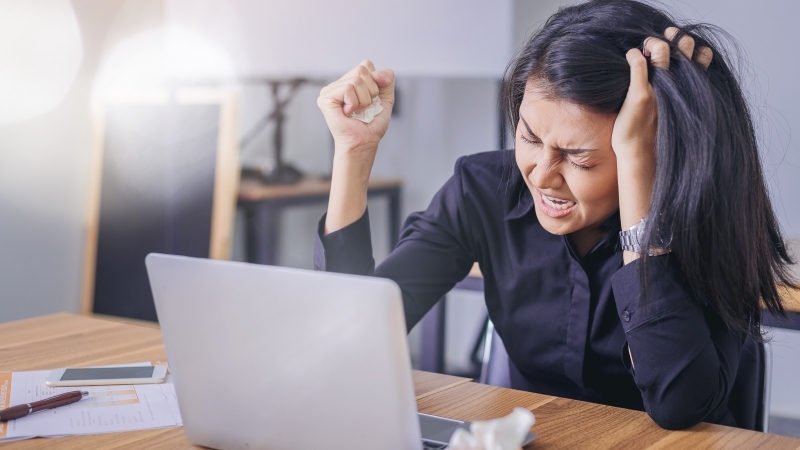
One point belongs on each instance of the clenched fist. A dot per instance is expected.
(352, 93)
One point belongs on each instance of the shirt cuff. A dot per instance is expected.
(666, 291)
(348, 250)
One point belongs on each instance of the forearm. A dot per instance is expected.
(635, 175)
(349, 183)
(356, 141)
(348, 250)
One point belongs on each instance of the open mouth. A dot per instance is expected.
(554, 206)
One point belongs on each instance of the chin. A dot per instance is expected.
(559, 227)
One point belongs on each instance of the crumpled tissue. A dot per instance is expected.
(369, 112)
(505, 433)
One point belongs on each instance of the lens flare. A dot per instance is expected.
(156, 58)
(40, 54)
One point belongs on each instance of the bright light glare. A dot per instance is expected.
(40, 53)
(139, 70)
(148, 60)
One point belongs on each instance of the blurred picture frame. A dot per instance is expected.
(164, 177)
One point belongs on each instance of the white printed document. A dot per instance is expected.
(107, 409)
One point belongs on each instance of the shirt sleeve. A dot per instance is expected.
(348, 250)
(434, 252)
(685, 358)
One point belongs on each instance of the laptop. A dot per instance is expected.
(281, 358)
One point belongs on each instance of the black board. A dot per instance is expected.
(156, 196)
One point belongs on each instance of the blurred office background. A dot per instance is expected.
(80, 48)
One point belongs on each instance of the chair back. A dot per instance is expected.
(496, 367)
(749, 400)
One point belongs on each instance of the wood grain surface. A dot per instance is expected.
(63, 340)
(427, 383)
(791, 300)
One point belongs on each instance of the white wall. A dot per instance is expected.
(44, 162)
(314, 38)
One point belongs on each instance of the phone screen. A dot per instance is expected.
(107, 373)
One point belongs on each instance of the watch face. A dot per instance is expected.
(664, 237)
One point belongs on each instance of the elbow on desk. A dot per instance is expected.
(674, 418)
(678, 412)
(697, 394)
(678, 406)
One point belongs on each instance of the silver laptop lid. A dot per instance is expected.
(279, 358)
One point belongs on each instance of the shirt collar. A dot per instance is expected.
(518, 201)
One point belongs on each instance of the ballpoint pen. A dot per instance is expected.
(15, 412)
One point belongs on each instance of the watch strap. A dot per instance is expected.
(629, 240)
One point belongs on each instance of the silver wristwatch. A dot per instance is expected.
(630, 240)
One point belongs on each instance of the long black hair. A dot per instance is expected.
(709, 192)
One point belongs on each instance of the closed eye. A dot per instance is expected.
(578, 166)
(533, 139)
(574, 164)
(564, 155)
(530, 140)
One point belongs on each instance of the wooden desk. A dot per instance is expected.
(792, 299)
(262, 205)
(69, 340)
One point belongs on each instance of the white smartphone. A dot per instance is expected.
(101, 376)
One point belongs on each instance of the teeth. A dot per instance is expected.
(557, 203)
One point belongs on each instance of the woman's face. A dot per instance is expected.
(564, 153)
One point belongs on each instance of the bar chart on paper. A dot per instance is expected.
(99, 396)
(112, 396)
(106, 409)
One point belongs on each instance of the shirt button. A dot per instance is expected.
(626, 316)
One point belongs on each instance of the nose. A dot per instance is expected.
(546, 173)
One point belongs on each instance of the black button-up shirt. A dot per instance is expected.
(566, 321)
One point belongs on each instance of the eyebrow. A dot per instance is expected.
(568, 151)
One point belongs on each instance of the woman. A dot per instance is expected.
(622, 122)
